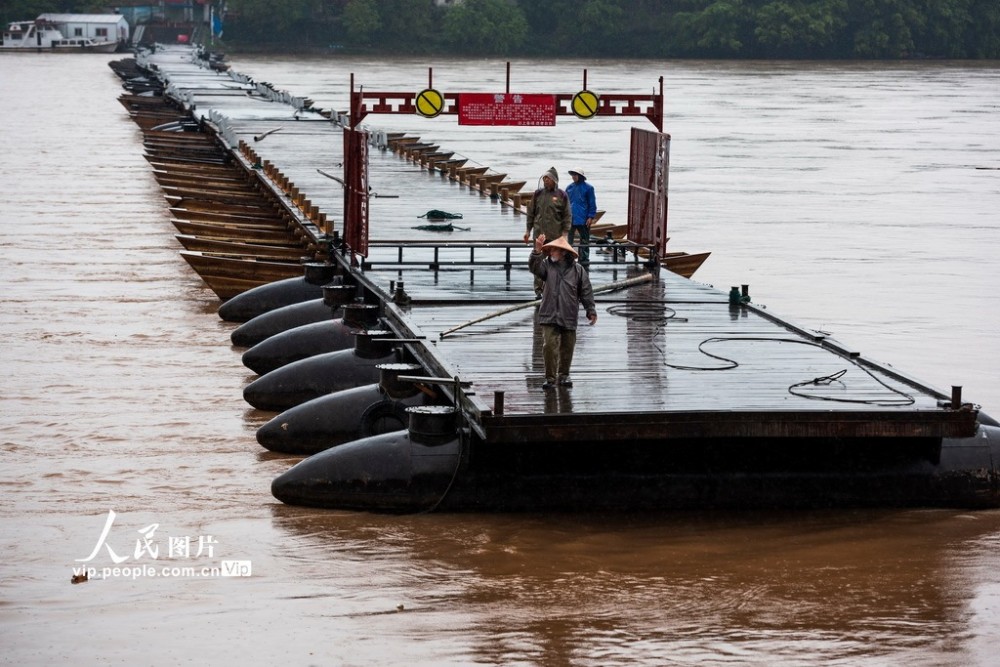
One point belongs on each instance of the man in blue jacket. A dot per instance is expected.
(584, 204)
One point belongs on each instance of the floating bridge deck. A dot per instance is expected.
(668, 357)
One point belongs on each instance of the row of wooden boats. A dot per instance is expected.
(235, 233)
(498, 186)
(238, 234)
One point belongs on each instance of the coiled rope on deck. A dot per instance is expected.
(661, 314)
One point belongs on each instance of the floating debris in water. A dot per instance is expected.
(435, 214)
(442, 227)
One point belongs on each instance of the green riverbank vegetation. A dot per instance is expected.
(758, 29)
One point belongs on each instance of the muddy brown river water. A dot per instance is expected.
(860, 199)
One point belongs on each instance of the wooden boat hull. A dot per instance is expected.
(191, 180)
(245, 249)
(229, 276)
(168, 137)
(240, 197)
(132, 101)
(186, 166)
(211, 206)
(445, 165)
(209, 157)
(684, 264)
(180, 142)
(193, 167)
(263, 220)
(233, 233)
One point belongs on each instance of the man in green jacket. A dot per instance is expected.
(549, 213)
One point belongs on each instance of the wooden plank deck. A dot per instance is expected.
(669, 358)
(671, 355)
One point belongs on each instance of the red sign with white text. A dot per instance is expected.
(506, 109)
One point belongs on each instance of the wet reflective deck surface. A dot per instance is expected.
(673, 346)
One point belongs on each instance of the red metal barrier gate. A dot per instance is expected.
(649, 160)
(356, 191)
(648, 178)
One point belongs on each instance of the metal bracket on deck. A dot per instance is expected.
(457, 387)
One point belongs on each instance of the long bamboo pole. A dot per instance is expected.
(608, 287)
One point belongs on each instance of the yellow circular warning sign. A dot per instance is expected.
(429, 103)
(585, 104)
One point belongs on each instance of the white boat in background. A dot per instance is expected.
(85, 44)
(38, 35)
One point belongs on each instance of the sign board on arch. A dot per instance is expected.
(506, 109)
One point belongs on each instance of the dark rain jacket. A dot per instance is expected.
(567, 285)
(549, 213)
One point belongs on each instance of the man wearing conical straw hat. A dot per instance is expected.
(567, 286)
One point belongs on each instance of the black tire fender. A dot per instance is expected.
(384, 416)
(986, 420)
